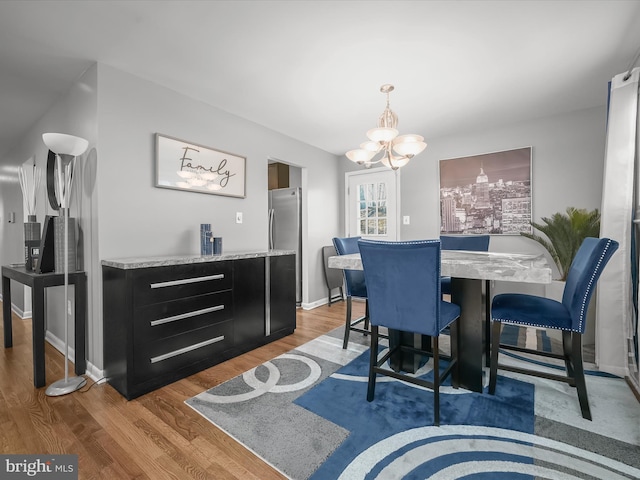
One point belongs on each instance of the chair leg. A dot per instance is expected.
(567, 350)
(495, 347)
(487, 323)
(578, 369)
(436, 382)
(347, 325)
(366, 315)
(373, 360)
(454, 335)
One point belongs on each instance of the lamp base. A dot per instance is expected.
(62, 387)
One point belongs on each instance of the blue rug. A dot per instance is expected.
(306, 414)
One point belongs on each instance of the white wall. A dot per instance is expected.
(74, 113)
(122, 214)
(138, 219)
(567, 166)
(567, 169)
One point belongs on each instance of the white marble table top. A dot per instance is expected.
(510, 267)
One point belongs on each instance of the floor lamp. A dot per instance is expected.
(69, 146)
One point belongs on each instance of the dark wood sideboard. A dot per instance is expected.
(163, 323)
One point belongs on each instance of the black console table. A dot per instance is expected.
(38, 282)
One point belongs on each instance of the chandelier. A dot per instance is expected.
(396, 150)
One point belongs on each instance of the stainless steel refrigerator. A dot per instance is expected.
(285, 227)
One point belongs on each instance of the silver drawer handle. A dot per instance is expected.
(155, 323)
(190, 348)
(185, 281)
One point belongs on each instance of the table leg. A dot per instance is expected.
(6, 312)
(407, 362)
(467, 293)
(80, 308)
(37, 327)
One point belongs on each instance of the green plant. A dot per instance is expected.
(564, 234)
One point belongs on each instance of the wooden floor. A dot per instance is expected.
(155, 436)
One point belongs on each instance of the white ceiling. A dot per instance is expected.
(312, 69)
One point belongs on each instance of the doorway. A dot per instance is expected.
(372, 204)
(286, 215)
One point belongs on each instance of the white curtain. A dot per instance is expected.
(615, 310)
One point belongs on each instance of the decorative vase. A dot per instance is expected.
(217, 245)
(206, 247)
(31, 243)
(58, 242)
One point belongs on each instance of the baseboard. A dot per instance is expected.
(634, 388)
(93, 372)
(316, 304)
(59, 345)
(613, 370)
(22, 315)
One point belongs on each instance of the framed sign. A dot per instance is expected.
(486, 194)
(187, 166)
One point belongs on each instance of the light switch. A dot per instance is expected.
(406, 220)
(238, 217)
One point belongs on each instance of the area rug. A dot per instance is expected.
(306, 414)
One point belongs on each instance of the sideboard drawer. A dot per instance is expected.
(173, 353)
(161, 320)
(154, 285)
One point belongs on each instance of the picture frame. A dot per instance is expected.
(488, 193)
(188, 166)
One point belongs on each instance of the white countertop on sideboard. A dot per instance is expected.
(163, 261)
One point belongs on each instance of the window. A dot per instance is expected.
(372, 209)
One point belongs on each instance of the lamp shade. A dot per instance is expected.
(64, 144)
(409, 145)
(382, 134)
(371, 146)
(360, 156)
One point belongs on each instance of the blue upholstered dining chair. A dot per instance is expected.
(355, 287)
(473, 243)
(403, 282)
(569, 316)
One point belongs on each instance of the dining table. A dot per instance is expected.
(469, 270)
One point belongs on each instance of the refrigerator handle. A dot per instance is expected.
(272, 214)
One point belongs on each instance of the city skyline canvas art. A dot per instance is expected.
(486, 194)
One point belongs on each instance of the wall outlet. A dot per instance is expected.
(238, 217)
(406, 220)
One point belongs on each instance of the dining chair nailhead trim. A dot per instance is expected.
(597, 269)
